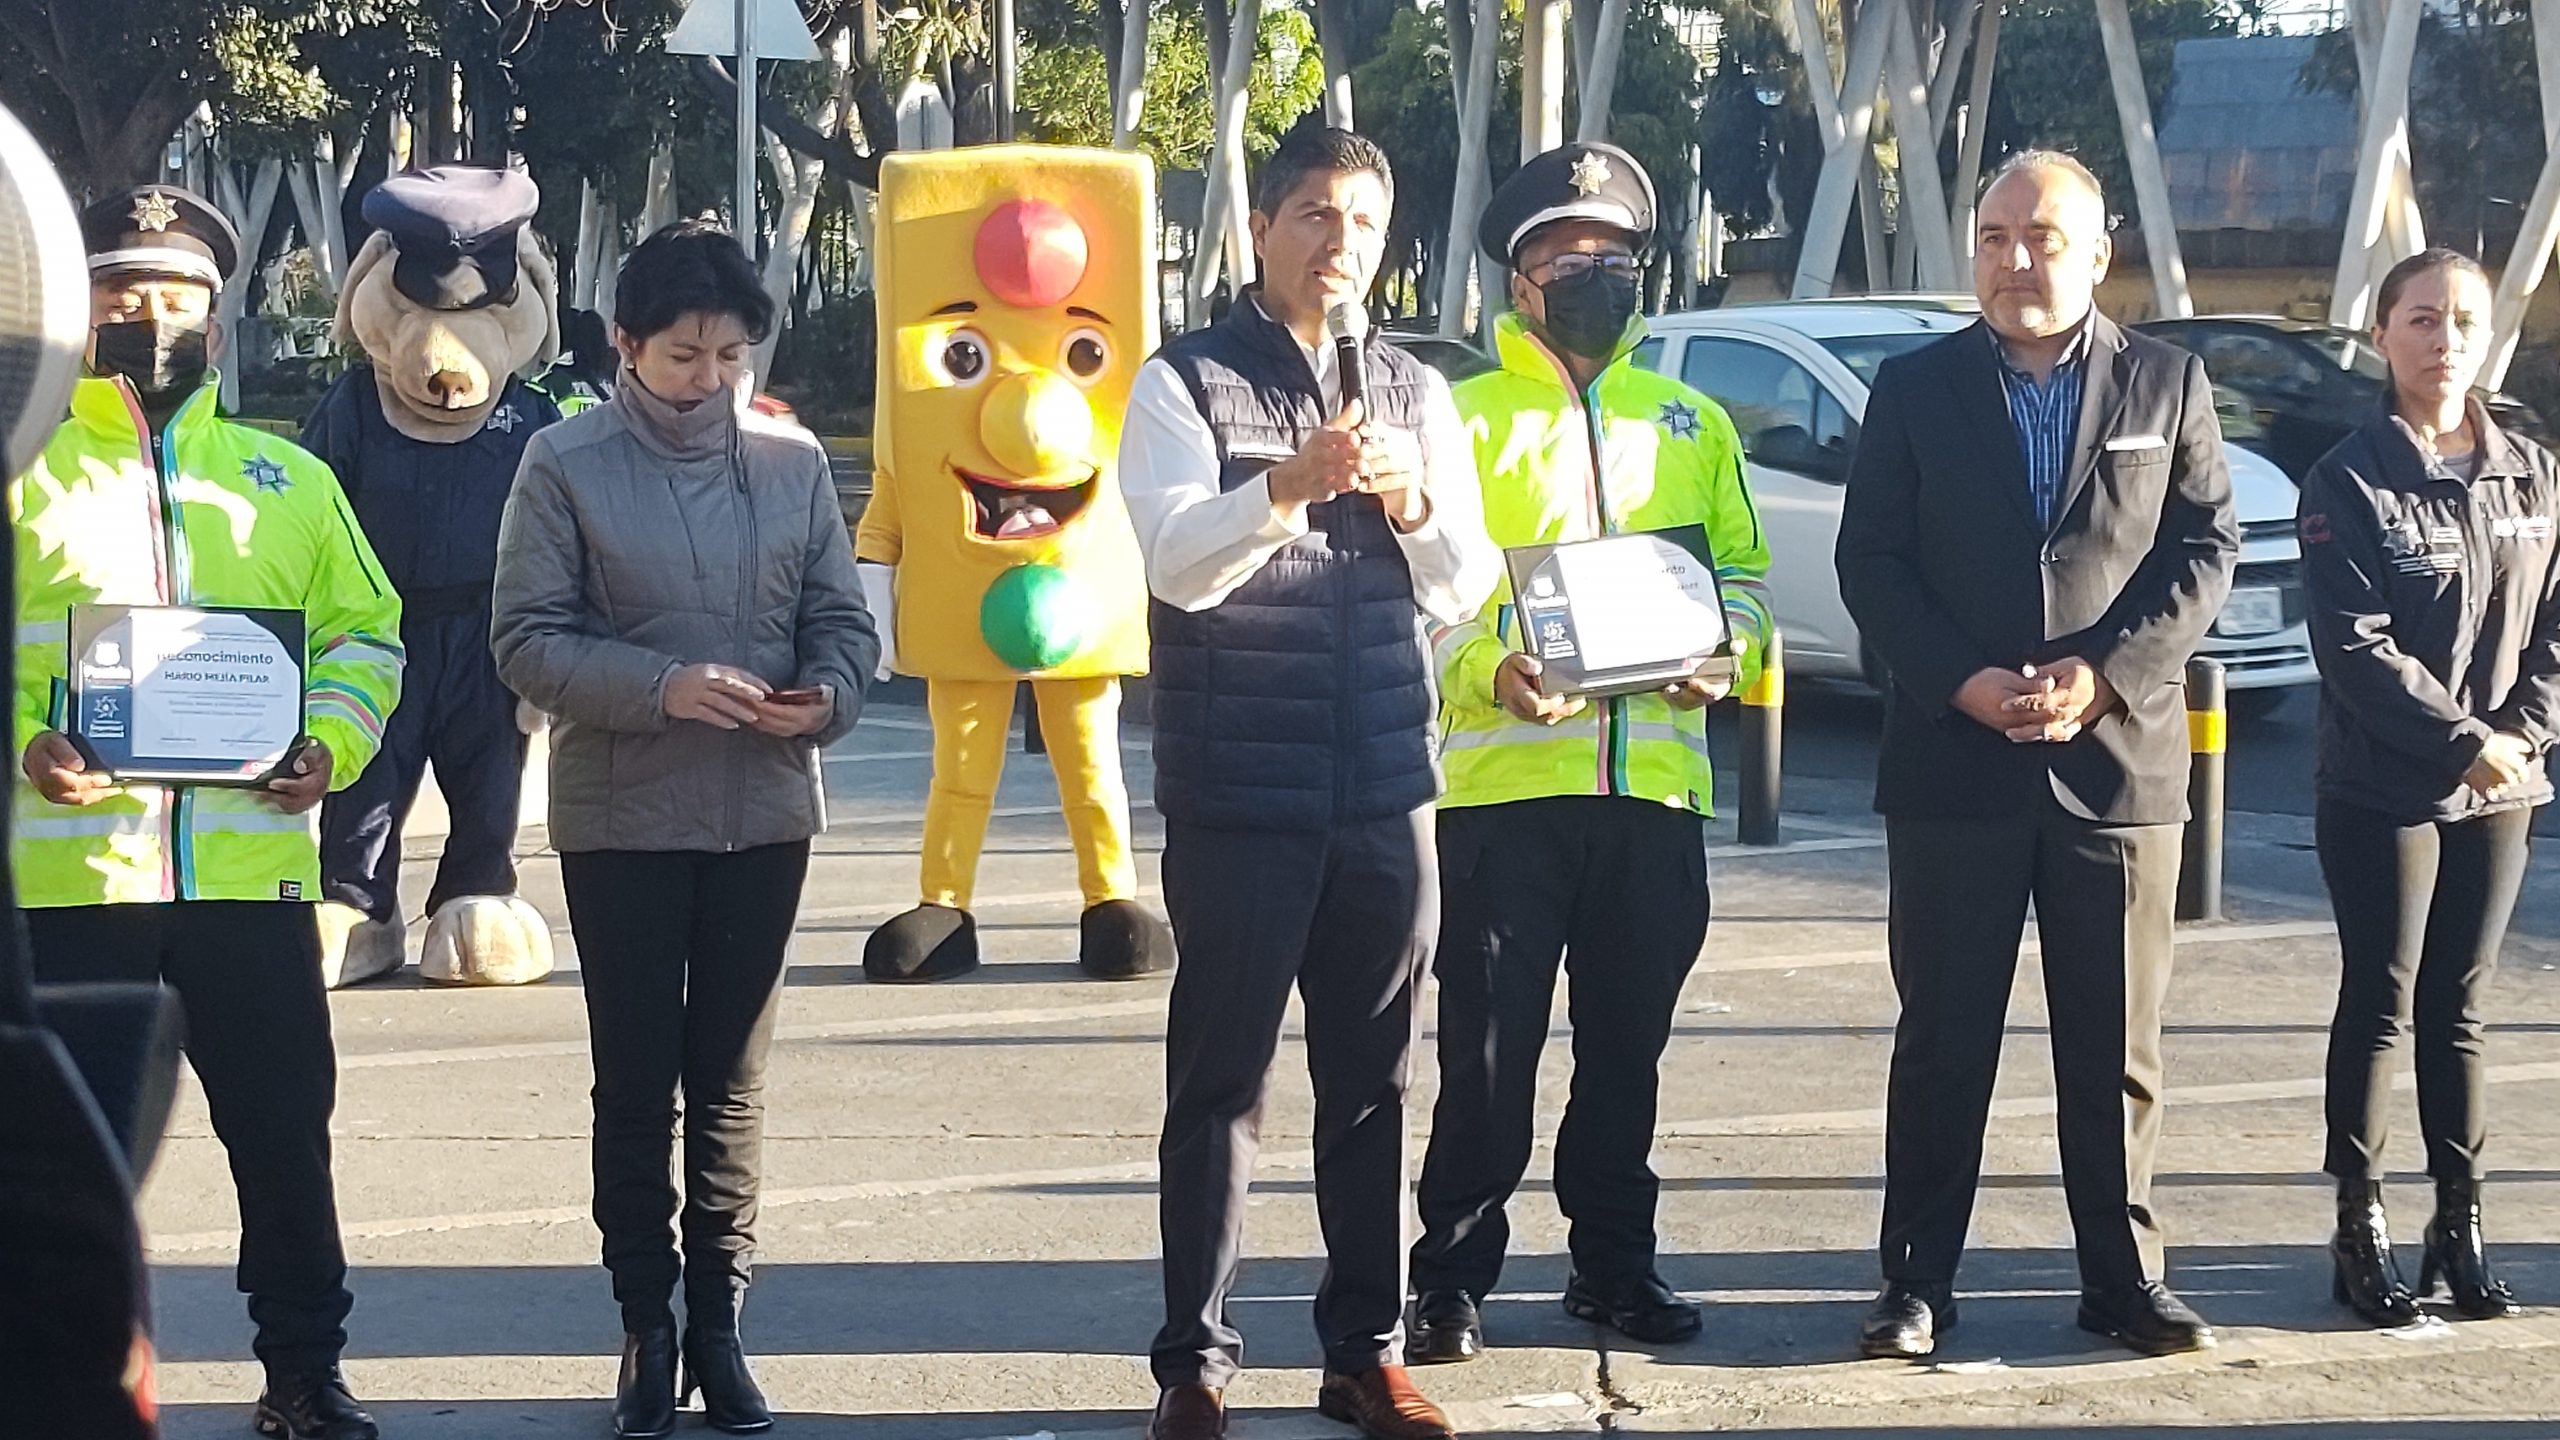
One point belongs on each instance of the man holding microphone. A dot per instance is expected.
(1303, 503)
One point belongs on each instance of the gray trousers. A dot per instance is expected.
(1346, 917)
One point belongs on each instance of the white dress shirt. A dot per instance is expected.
(1201, 543)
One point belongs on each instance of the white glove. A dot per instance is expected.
(880, 594)
(529, 718)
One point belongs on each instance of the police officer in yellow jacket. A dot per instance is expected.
(147, 496)
(1572, 831)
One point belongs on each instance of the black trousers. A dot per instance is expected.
(2105, 904)
(2422, 910)
(1615, 890)
(247, 974)
(681, 953)
(456, 714)
(1346, 917)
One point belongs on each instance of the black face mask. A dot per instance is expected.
(1588, 313)
(160, 357)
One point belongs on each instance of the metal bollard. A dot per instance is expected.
(2208, 738)
(1763, 729)
(1027, 705)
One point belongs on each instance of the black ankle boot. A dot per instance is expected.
(644, 1398)
(716, 1363)
(2456, 1251)
(2368, 1278)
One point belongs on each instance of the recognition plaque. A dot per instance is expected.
(179, 695)
(1620, 614)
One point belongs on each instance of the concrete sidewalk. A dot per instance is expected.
(959, 1223)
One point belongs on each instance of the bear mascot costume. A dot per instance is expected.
(448, 300)
(1017, 293)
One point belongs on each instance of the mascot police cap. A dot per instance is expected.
(455, 228)
(159, 230)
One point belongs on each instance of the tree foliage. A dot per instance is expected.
(1065, 95)
(2474, 95)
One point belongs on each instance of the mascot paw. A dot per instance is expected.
(930, 942)
(354, 949)
(485, 940)
(1122, 940)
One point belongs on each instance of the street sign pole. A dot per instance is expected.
(745, 223)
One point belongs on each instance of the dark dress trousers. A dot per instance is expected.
(1294, 771)
(1947, 571)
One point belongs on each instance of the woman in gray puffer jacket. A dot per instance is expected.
(676, 586)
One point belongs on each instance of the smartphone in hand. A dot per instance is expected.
(803, 695)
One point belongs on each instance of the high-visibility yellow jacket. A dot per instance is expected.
(1637, 451)
(206, 512)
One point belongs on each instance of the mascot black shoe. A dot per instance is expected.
(1121, 940)
(930, 942)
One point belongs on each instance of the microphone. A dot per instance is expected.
(1346, 325)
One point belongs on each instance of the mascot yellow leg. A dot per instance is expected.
(1080, 719)
(939, 938)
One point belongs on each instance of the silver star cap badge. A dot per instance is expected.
(1590, 172)
(155, 212)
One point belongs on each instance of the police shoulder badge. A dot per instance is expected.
(1679, 419)
(263, 472)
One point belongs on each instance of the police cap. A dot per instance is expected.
(454, 227)
(1574, 182)
(160, 230)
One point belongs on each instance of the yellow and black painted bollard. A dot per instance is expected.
(2208, 737)
(1763, 731)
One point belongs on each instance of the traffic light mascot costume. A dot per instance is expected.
(449, 299)
(1017, 301)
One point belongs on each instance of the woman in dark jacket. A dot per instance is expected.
(676, 586)
(2428, 555)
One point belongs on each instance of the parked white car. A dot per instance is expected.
(1794, 376)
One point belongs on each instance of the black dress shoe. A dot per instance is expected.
(1641, 1308)
(2145, 1318)
(716, 1363)
(1445, 1329)
(644, 1396)
(1906, 1321)
(2367, 1278)
(2457, 1251)
(312, 1405)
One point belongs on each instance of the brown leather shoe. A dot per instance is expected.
(1189, 1412)
(1384, 1404)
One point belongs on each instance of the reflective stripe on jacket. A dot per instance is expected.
(1638, 451)
(206, 513)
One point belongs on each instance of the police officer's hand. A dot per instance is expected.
(54, 767)
(1712, 682)
(305, 781)
(1391, 469)
(1516, 689)
(2505, 760)
(1326, 466)
(718, 695)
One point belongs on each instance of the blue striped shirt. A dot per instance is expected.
(2047, 418)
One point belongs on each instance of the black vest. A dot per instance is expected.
(1303, 700)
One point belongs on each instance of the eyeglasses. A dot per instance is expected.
(1573, 264)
